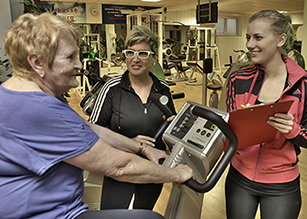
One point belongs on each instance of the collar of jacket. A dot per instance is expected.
(125, 82)
(296, 73)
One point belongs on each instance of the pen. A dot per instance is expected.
(249, 105)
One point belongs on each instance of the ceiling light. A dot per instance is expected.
(151, 0)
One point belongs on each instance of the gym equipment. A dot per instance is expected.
(243, 60)
(158, 72)
(85, 83)
(172, 49)
(195, 67)
(192, 47)
(297, 57)
(92, 46)
(214, 97)
(180, 75)
(88, 101)
(116, 59)
(207, 47)
(167, 66)
(196, 137)
(217, 83)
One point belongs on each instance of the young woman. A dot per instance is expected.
(268, 173)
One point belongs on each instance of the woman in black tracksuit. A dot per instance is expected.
(123, 105)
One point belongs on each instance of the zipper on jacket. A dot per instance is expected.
(256, 167)
(145, 110)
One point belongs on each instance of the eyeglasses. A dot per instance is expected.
(142, 54)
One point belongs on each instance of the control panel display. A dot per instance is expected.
(194, 130)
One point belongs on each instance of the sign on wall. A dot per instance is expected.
(116, 14)
(72, 11)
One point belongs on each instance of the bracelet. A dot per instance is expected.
(140, 148)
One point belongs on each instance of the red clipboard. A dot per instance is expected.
(250, 124)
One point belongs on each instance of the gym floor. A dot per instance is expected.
(214, 201)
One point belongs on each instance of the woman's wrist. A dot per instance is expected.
(142, 148)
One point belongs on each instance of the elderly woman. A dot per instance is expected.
(124, 106)
(45, 145)
(267, 174)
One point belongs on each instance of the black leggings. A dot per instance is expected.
(242, 203)
(117, 195)
(119, 214)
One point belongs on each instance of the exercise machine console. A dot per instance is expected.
(196, 137)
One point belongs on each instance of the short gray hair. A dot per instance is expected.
(36, 34)
(143, 34)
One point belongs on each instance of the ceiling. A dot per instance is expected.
(231, 6)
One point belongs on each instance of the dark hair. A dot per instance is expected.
(280, 23)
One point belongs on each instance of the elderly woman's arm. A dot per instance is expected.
(128, 167)
(125, 144)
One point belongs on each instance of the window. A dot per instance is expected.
(220, 25)
(227, 26)
(232, 26)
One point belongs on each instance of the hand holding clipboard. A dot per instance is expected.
(250, 123)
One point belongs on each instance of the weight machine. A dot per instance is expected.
(206, 48)
(91, 59)
(206, 39)
(192, 47)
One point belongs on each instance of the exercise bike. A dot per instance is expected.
(196, 137)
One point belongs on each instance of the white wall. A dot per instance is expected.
(297, 18)
(187, 17)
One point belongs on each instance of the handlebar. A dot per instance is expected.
(221, 166)
(160, 101)
(240, 50)
(99, 82)
(93, 76)
(221, 124)
(95, 88)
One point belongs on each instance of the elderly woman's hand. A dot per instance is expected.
(145, 140)
(185, 173)
(169, 119)
(154, 154)
(282, 122)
